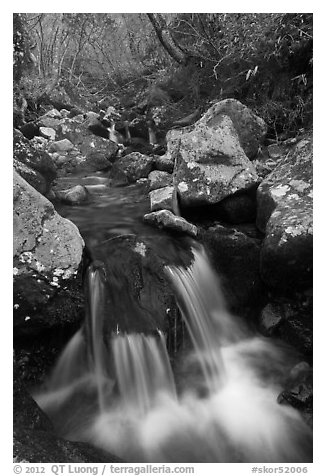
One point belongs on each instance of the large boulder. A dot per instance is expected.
(47, 256)
(284, 213)
(133, 166)
(28, 156)
(210, 162)
(250, 128)
(90, 152)
(235, 256)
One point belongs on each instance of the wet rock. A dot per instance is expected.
(47, 255)
(290, 319)
(163, 199)
(298, 391)
(159, 179)
(47, 132)
(27, 154)
(134, 294)
(250, 128)
(284, 201)
(164, 163)
(63, 145)
(235, 256)
(74, 195)
(133, 166)
(167, 219)
(210, 162)
(271, 318)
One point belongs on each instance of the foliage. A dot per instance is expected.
(22, 56)
(264, 60)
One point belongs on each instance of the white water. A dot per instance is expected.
(225, 412)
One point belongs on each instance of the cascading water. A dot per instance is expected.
(235, 419)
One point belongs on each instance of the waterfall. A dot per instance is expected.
(143, 370)
(143, 414)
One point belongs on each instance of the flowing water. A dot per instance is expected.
(218, 403)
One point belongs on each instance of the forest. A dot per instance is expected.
(263, 60)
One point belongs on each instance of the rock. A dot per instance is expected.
(210, 162)
(97, 151)
(159, 179)
(236, 258)
(64, 112)
(75, 111)
(30, 130)
(167, 219)
(163, 199)
(271, 318)
(63, 145)
(34, 158)
(47, 256)
(298, 390)
(74, 195)
(34, 178)
(49, 121)
(133, 166)
(26, 412)
(250, 128)
(135, 293)
(275, 151)
(284, 213)
(53, 113)
(47, 132)
(290, 319)
(164, 163)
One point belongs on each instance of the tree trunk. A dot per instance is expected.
(167, 40)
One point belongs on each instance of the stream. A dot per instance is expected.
(217, 403)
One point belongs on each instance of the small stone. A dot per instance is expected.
(166, 219)
(163, 199)
(159, 179)
(63, 145)
(48, 132)
(271, 317)
(74, 195)
(274, 151)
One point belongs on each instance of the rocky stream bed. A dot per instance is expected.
(78, 201)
